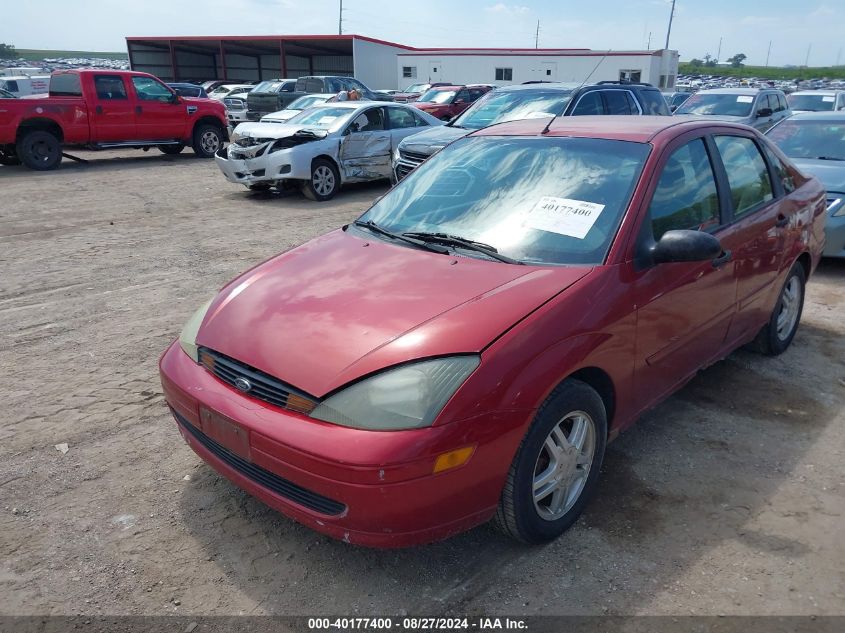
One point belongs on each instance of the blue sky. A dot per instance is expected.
(746, 26)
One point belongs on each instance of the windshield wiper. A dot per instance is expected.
(375, 228)
(454, 240)
(829, 158)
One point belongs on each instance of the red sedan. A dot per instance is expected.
(466, 348)
(447, 102)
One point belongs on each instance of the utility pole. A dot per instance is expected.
(807, 58)
(768, 53)
(648, 46)
(340, 19)
(669, 30)
(537, 36)
(839, 56)
(719, 52)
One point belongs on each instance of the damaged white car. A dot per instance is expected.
(322, 147)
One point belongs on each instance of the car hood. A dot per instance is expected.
(830, 172)
(426, 106)
(434, 139)
(342, 306)
(264, 130)
(279, 117)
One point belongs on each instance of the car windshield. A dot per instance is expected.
(810, 139)
(718, 104)
(813, 103)
(415, 88)
(437, 96)
(306, 102)
(267, 86)
(510, 106)
(537, 200)
(328, 118)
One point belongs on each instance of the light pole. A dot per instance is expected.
(669, 30)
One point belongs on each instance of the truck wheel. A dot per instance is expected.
(8, 155)
(170, 149)
(207, 140)
(324, 182)
(39, 150)
(556, 468)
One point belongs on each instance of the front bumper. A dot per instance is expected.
(834, 233)
(266, 168)
(236, 116)
(382, 480)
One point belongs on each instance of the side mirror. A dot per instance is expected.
(686, 246)
(672, 108)
(174, 99)
(764, 112)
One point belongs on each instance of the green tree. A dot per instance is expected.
(736, 60)
(709, 61)
(696, 63)
(7, 51)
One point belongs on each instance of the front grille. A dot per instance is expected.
(412, 157)
(235, 104)
(263, 386)
(262, 477)
(402, 170)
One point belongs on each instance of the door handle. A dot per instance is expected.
(782, 221)
(98, 109)
(723, 259)
(138, 109)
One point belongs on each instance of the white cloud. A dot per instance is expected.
(505, 9)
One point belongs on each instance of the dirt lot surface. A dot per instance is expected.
(727, 499)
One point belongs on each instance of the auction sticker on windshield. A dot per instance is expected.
(564, 216)
(744, 99)
(828, 99)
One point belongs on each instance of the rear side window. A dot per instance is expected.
(110, 87)
(617, 102)
(686, 197)
(748, 175)
(65, 85)
(589, 103)
(781, 171)
(652, 102)
(400, 118)
(782, 103)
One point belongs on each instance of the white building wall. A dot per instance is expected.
(481, 68)
(375, 64)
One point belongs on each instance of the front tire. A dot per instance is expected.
(39, 150)
(556, 469)
(324, 182)
(778, 333)
(207, 140)
(171, 150)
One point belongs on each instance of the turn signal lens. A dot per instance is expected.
(453, 459)
(300, 404)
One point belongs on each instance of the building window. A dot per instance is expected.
(504, 74)
(409, 72)
(630, 75)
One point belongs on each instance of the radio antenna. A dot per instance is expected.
(581, 85)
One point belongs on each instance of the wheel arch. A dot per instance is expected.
(43, 124)
(602, 383)
(806, 263)
(210, 120)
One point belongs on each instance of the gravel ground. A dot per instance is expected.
(726, 499)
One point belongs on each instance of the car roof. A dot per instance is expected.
(551, 85)
(639, 129)
(824, 93)
(819, 116)
(735, 91)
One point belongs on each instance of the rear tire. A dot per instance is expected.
(778, 333)
(39, 150)
(556, 468)
(207, 140)
(324, 182)
(171, 150)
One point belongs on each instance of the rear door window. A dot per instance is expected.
(748, 175)
(652, 102)
(400, 118)
(65, 85)
(617, 102)
(110, 87)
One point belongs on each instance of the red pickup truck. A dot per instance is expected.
(98, 109)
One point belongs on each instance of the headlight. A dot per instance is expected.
(408, 397)
(396, 155)
(188, 336)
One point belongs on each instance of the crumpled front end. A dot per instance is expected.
(250, 160)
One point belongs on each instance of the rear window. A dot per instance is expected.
(311, 84)
(65, 85)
